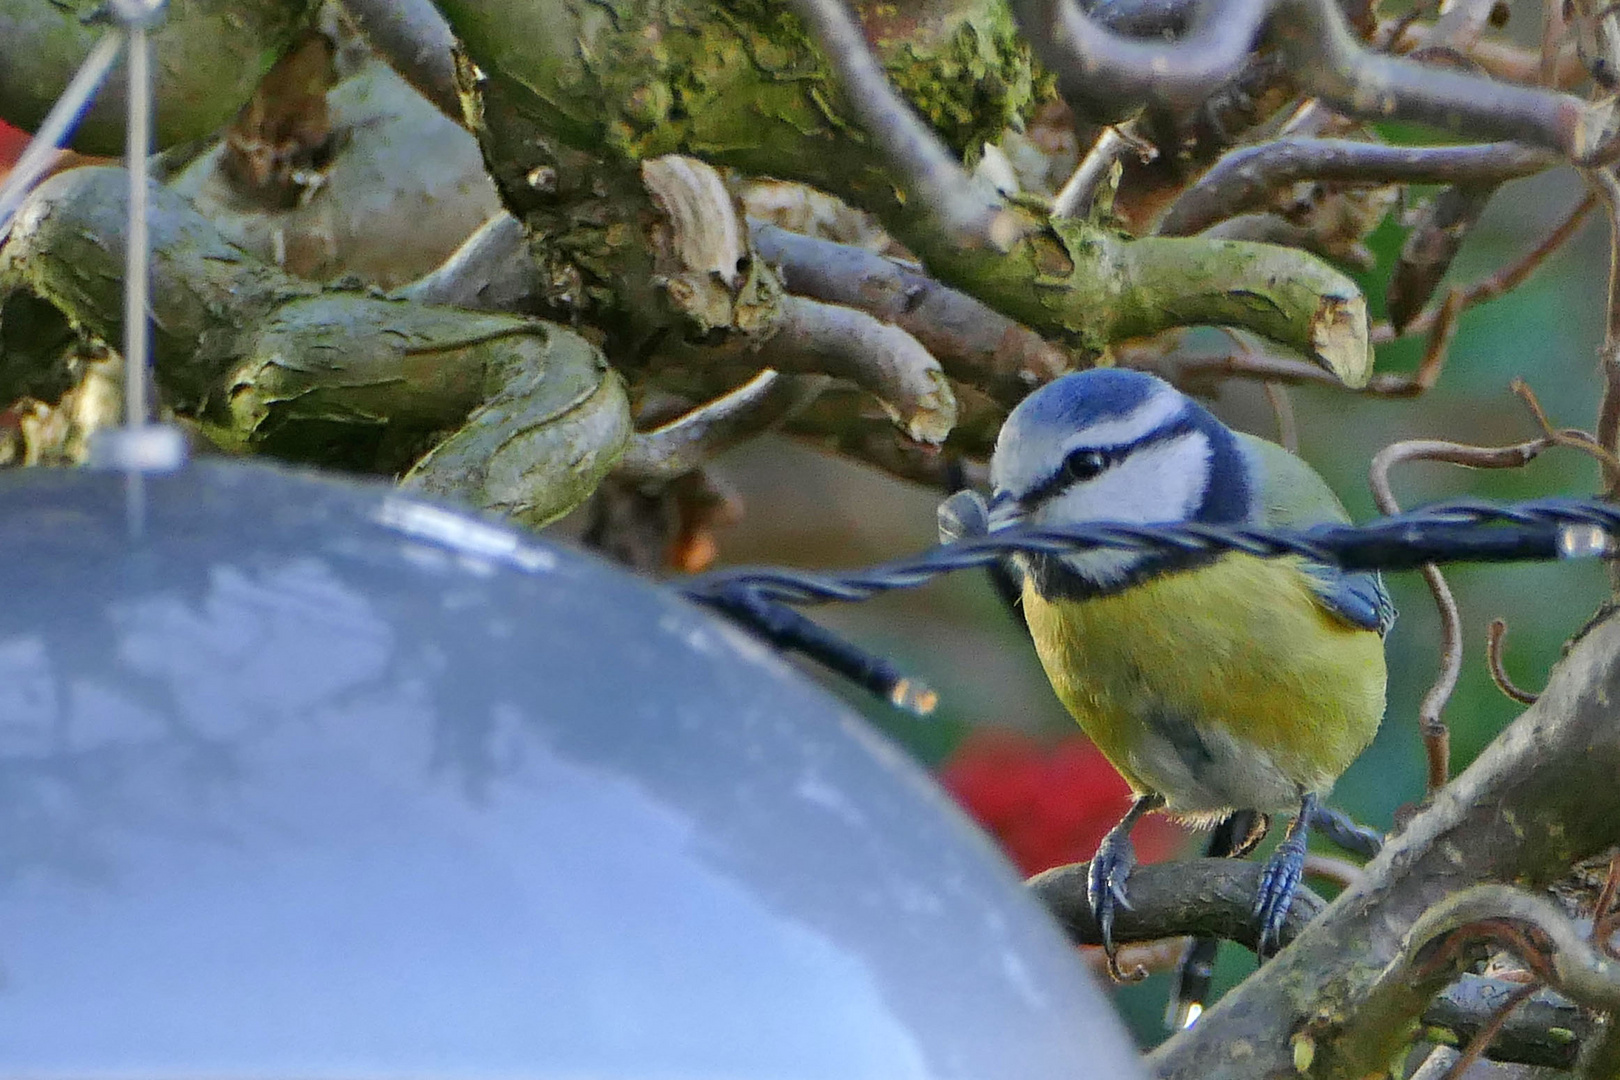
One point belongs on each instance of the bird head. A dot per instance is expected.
(1114, 445)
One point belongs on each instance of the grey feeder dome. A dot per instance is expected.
(318, 781)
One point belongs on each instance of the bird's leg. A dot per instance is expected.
(1337, 827)
(1281, 877)
(1105, 886)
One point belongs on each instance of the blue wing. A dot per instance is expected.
(1358, 599)
(1292, 495)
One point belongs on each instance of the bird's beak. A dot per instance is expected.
(1004, 511)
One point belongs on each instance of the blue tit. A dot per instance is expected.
(1214, 683)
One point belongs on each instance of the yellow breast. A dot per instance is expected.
(1226, 687)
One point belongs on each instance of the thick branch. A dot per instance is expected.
(346, 378)
(1190, 897)
(1069, 281)
(1536, 800)
(413, 37)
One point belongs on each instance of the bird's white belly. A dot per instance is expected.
(1213, 773)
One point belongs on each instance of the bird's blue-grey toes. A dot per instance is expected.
(1278, 881)
(1105, 887)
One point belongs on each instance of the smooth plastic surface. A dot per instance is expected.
(317, 781)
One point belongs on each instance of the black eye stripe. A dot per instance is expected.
(1110, 455)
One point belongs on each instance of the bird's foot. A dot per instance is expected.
(1105, 887)
(1281, 878)
(1105, 884)
(1278, 882)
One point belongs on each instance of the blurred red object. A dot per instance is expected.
(1048, 803)
(12, 143)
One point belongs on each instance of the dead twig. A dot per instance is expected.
(1573, 438)
(694, 438)
(1608, 425)
(1529, 926)
(972, 342)
(1077, 195)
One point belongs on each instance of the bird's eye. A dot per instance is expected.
(1085, 464)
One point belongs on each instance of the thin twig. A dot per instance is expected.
(1341, 872)
(1608, 425)
(1604, 916)
(1431, 723)
(1282, 405)
(1441, 332)
(1494, 633)
(1530, 926)
(1573, 438)
(1248, 178)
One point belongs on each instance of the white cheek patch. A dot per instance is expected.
(1157, 483)
(1024, 459)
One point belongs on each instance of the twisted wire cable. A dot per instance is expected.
(1461, 530)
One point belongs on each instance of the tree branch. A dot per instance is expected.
(972, 342)
(265, 362)
(1250, 177)
(1096, 66)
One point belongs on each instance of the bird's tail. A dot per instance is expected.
(1235, 835)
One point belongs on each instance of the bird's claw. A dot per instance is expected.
(1278, 881)
(1105, 886)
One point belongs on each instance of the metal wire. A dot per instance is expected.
(1466, 530)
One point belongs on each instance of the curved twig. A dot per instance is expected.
(1530, 926)
(692, 439)
(1502, 281)
(1431, 722)
(1494, 634)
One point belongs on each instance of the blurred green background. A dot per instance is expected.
(804, 508)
